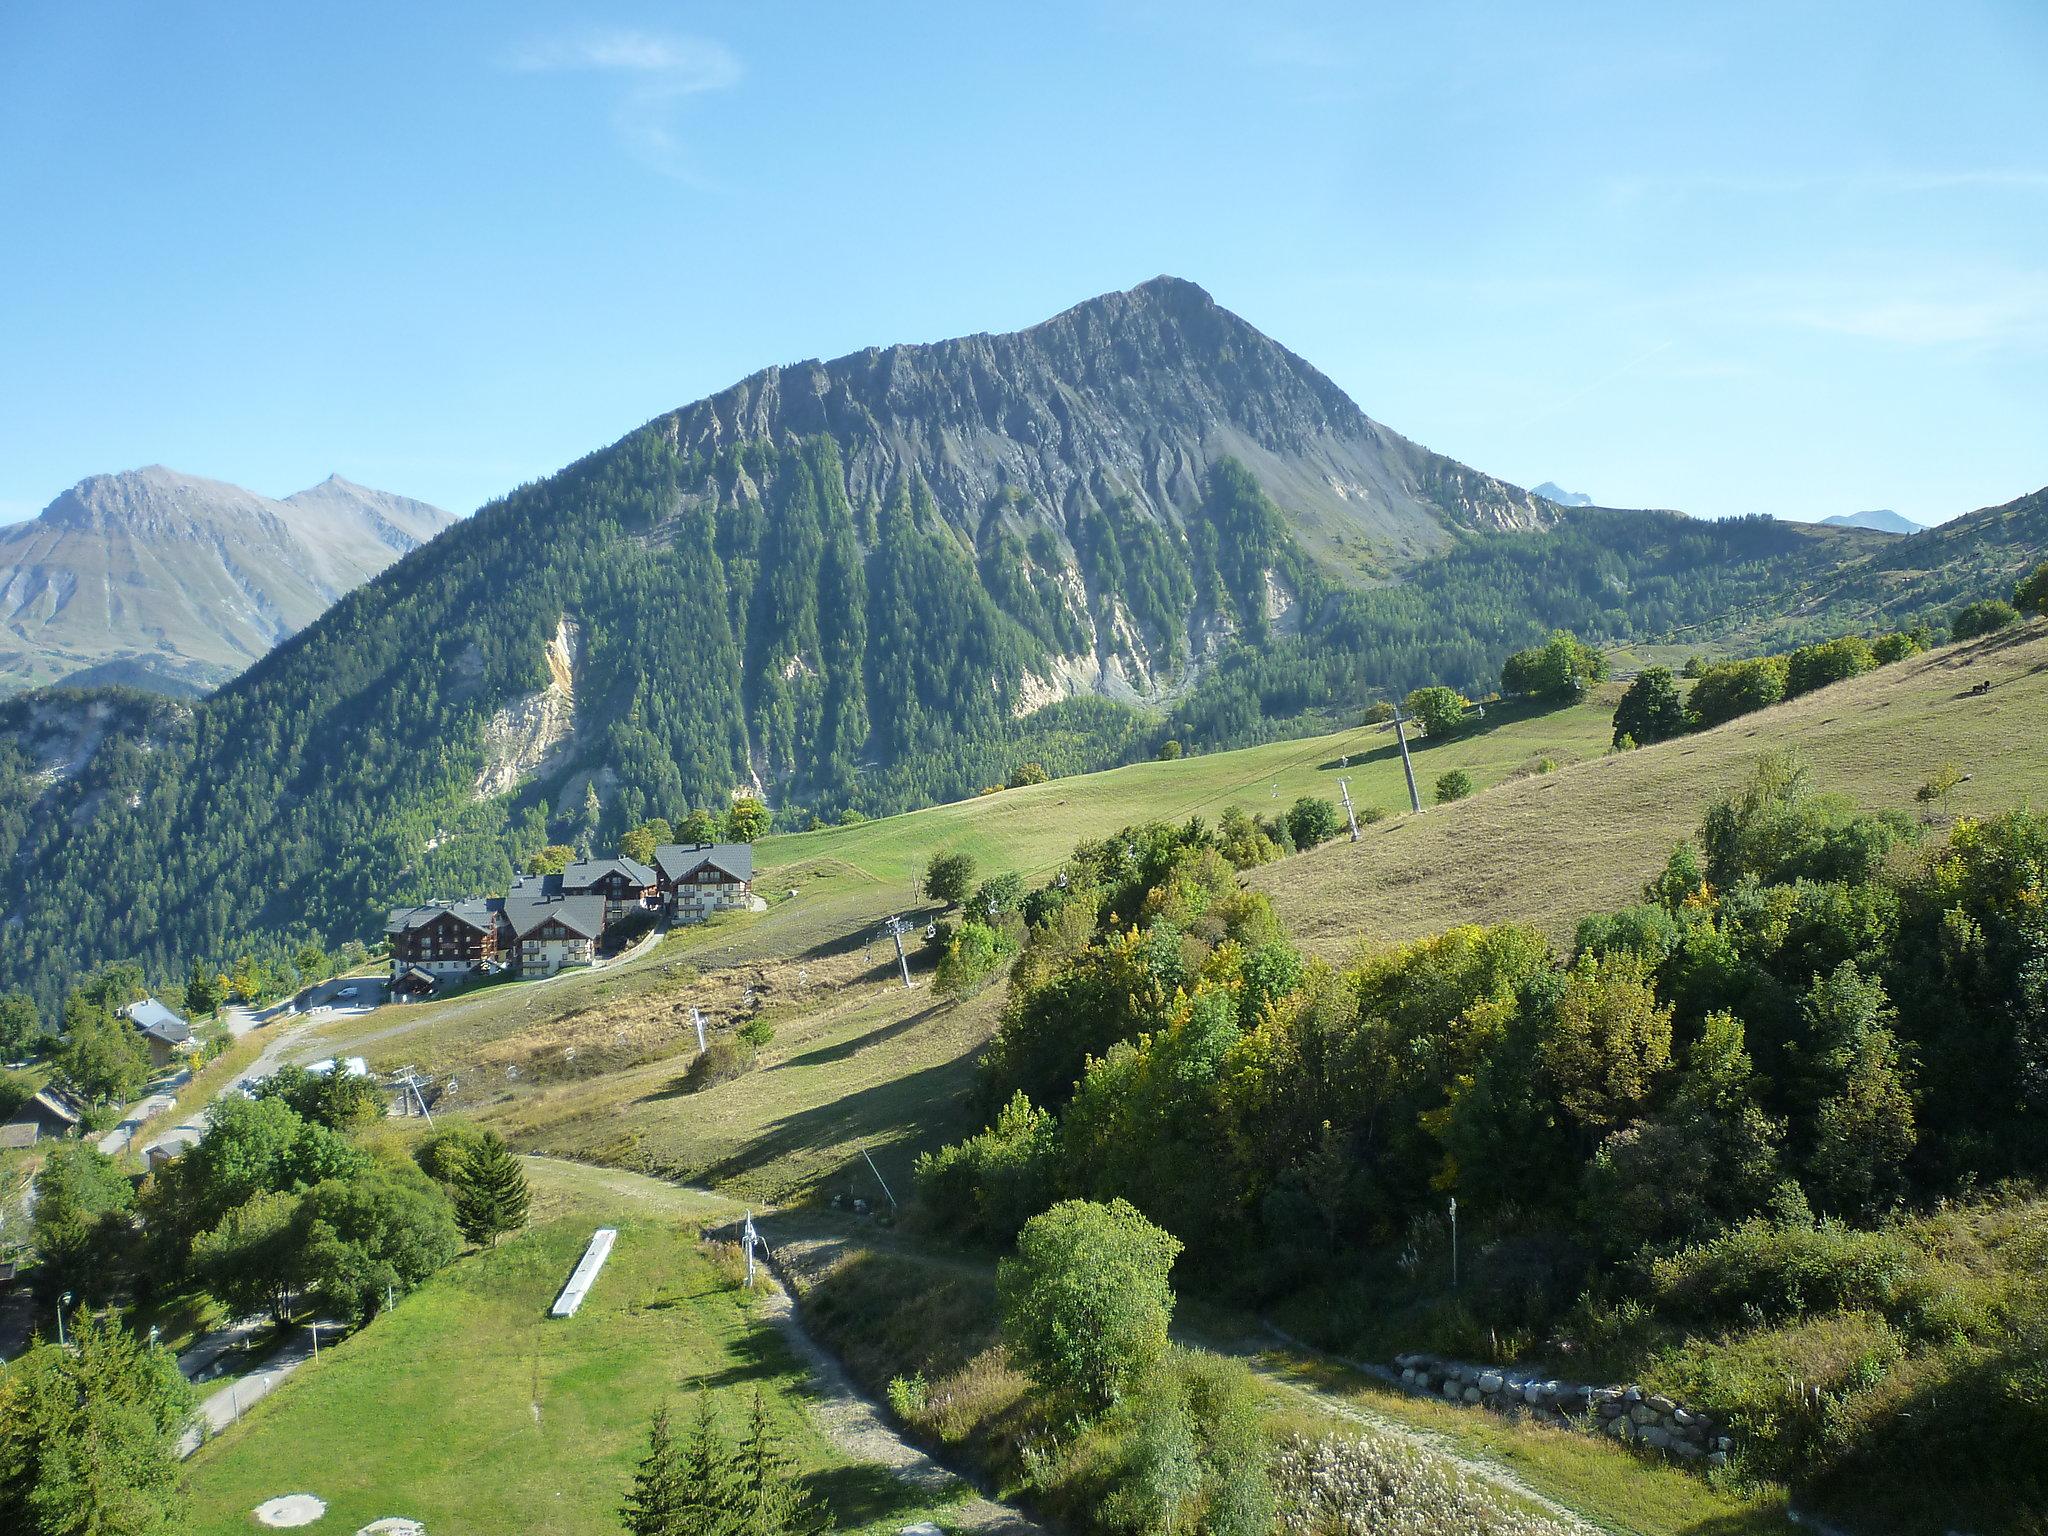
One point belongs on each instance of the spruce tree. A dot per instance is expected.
(771, 1501)
(490, 1191)
(711, 1501)
(655, 1506)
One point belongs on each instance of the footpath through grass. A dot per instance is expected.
(470, 1410)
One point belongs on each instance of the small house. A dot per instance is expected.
(48, 1112)
(165, 1034)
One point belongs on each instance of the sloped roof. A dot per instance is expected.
(478, 912)
(582, 915)
(585, 873)
(678, 861)
(153, 1018)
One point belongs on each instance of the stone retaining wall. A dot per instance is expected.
(1626, 1413)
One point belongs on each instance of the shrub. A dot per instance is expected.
(1455, 785)
(723, 1058)
(1982, 618)
(1311, 820)
(2031, 595)
(1557, 671)
(1169, 751)
(949, 877)
(757, 1031)
(972, 955)
(1085, 1301)
(1735, 688)
(1440, 710)
(1831, 661)
(1651, 710)
(1784, 1270)
(1027, 774)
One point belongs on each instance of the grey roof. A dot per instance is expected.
(478, 912)
(527, 910)
(54, 1103)
(585, 873)
(153, 1018)
(678, 861)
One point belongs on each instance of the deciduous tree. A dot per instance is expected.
(1085, 1300)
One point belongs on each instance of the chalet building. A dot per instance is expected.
(48, 1112)
(165, 1034)
(551, 928)
(445, 938)
(627, 886)
(698, 879)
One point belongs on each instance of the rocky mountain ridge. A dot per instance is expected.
(176, 582)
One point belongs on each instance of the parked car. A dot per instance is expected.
(347, 991)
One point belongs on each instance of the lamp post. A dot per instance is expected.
(62, 1302)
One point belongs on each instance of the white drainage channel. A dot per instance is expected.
(585, 1273)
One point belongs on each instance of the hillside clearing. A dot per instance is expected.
(468, 1409)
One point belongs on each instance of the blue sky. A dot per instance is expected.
(1784, 258)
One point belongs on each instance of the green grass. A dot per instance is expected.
(1550, 849)
(468, 1409)
(1032, 829)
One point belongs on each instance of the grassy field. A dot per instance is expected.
(1550, 848)
(468, 1409)
(1033, 828)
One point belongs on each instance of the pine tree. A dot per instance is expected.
(490, 1191)
(655, 1506)
(711, 1501)
(771, 1501)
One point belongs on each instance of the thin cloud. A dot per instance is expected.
(659, 72)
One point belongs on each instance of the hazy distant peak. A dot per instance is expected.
(1881, 519)
(1551, 491)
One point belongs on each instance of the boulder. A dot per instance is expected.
(1660, 1402)
(1644, 1414)
(1471, 1394)
(1489, 1382)
(1717, 1459)
(1656, 1435)
(1532, 1394)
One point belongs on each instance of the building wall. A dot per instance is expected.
(540, 956)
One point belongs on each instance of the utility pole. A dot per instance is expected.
(1454, 1242)
(895, 927)
(1350, 814)
(880, 1180)
(749, 1237)
(1407, 765)
(697, 1018)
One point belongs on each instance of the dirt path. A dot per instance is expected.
(810, 1243)
(847, 1417)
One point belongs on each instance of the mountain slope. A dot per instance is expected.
(178, 582)
(870, 584)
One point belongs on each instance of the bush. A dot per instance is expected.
(2031, 595)
(723, 1058)
(1311, 820)
(1651, 710)
(1557, 671)
(972, 956)
(1831, 661)
(1441, 710)
(1778, 1271)
(949, 877)
(1169, 751)
(1085, 1301)
(1982, 618)
(1735, 688)
(757, 1031)
(1455, 785)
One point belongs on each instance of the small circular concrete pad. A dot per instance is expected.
(290, 1509)
(393, 1525)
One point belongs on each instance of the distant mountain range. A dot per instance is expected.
(866, 584)
(1882, 520)
(176, 583)
(1550, 490)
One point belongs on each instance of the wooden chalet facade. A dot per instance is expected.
(698, 879)
(446, 938)
(626, 886)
